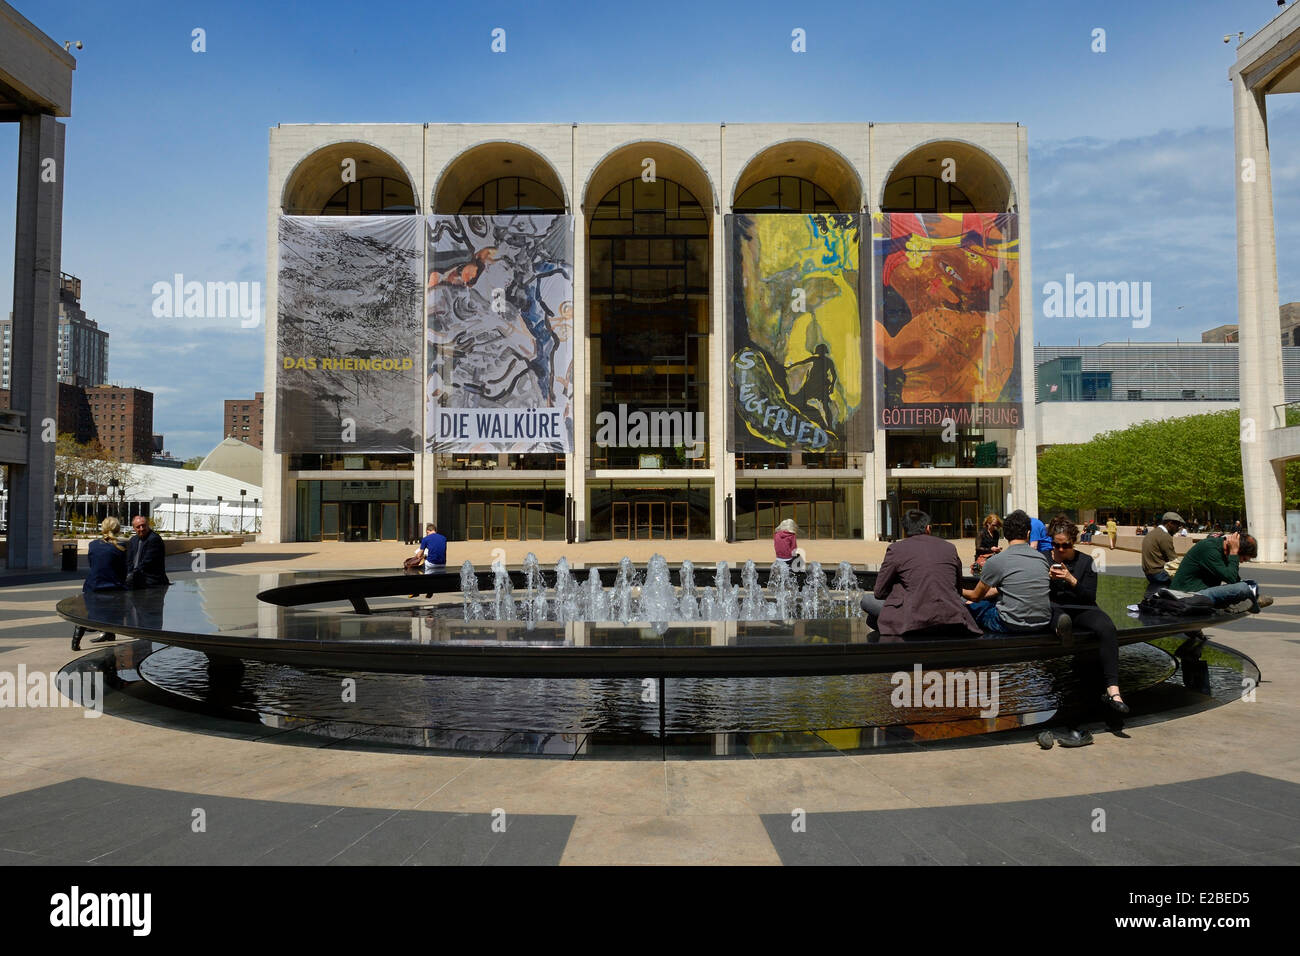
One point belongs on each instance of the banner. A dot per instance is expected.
(348, 334)
(947, 320)
(499, 303)
(796, 344)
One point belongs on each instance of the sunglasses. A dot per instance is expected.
(1062, 547)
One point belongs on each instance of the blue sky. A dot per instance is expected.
(1131, 153)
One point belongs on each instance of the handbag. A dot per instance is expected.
(414, 562)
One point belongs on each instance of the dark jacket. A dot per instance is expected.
(146, 562)
(1206, 566)
(919, 582)
(1083, 594)
(107, 566)
(988, 540)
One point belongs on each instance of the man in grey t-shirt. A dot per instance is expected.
(1018, 579)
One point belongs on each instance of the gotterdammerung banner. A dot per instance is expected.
(796, 352)
(348, 364)
(499, 304)
(947, 313)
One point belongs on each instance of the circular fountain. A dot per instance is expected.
(671, 650)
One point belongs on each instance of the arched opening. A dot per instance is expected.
(649, 276)
(784, 194)
(502, 179)
(349, 179)
(947, 333)
(512, 194)
(499, 177)
(948, 176)
(798, 176)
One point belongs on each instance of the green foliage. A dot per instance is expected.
(192, 464)
(1191, 465)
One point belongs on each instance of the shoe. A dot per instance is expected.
(1046, 740)
(1265, 601)
(103, 638)
(1076, 739)
(1064, 629)
(1115, 703)
(77, 632)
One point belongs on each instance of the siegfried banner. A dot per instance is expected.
(796, 348)
(348, 334)
(947, 313)
(499, 302)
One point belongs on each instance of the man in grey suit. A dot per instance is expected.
(917, 590)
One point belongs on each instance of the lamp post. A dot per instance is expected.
(242, 492)
(255, 519)
(218, 514)
(112, 489)
(189, 514)
(175, 504)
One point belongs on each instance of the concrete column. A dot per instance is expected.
(1024, 452)
(33, 382)
(721, 459)
(1257, 312)
(577, 464)
(275, 520)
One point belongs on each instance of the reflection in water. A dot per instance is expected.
(624, 706)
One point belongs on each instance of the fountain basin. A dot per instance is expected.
(295, 618)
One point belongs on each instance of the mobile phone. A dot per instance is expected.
(1057, 564)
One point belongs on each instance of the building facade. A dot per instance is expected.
(1084, 391)
(667, 254)
(242, 419)
(123, 421)
(82, 344)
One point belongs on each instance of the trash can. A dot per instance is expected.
(69, 557)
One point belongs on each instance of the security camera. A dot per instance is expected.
(1227, 38)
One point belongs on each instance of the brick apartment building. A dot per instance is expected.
(243, 420)
(123, 421)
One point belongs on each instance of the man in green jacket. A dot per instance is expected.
(1212, 568)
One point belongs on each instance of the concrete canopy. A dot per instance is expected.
(488, 161)
(979, 176)
(815, 162)
(319, 176)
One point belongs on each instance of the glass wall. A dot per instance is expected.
(648, 270)
(669, 512)
(956, 506)
(828, 509)
(501, 511)
(355, 510)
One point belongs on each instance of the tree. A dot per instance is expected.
(1191, 465)
(192, 464)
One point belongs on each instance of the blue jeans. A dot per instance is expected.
(1225, 594)
(986, 616)
(1160, 577)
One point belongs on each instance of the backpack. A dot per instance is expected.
(1176, 603)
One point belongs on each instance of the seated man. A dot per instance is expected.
(146, 557)
(1158, 548)
(917, 587)
(1211, 567)
(1012, 594)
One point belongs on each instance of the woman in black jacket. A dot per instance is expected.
(106, 557)
(1073, 588)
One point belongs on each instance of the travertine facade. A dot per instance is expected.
(852, 162)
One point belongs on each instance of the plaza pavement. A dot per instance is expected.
(1207, 785)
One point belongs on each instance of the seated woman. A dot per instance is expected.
(107, 560)
(785, 541)
(1072, 582)
(989, 537)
